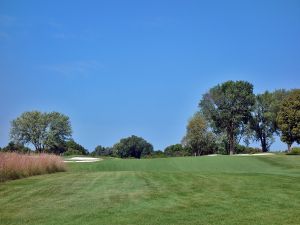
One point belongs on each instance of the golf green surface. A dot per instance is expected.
(193, 190)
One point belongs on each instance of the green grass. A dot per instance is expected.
(204, 190)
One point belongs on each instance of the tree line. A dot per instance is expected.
(228, 114)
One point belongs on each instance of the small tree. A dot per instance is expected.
(198, 138)
(288, 118)
(72, 146)
(133, 146)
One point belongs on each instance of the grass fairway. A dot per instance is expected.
(204, 190)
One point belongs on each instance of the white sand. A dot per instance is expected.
(83, 159)
(265, 153)
(256, 154)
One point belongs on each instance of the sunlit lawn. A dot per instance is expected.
(203, 190)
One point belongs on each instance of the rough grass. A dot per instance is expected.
(204, 190)
(15, 166)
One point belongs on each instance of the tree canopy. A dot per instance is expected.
(176, 150)
(227, 107)
(263, 121)
(198, 138)
(288, 118)
(133, 146)
(42, 130)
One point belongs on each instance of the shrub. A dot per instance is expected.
(15, 165)
(177, 150)
(102, 151)
(15, 147)
(294, 151)
(72, 152)
(155, 154)
(246, 150)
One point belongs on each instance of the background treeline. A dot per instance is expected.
(229, 114)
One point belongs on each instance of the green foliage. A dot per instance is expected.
(241, 149)
(133, 146)
(263, 121)
(77, 149)
(15, 147)
(59, 129)
(176, 150)
(288, 118)
(198, 138)
(227, 107)
(157, 154)
(294, 151)
(72, 152)
(102, 151)
(43, 130)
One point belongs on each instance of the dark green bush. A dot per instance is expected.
(241, 149)
(72, 152)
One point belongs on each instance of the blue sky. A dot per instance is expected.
(118, 68)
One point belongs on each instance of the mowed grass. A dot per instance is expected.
(202, 190)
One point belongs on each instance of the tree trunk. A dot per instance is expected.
(231, 143)
(264, 144)
(289, 147)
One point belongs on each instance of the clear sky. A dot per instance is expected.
(118, 68)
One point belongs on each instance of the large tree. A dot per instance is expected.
(263, 120)
(227, 107)
(42, 130)
(198, 138)
(288, 118)
(132, 146)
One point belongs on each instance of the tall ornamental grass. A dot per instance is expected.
(15, 165)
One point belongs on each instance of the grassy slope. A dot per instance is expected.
(206, 190)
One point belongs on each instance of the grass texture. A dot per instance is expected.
(203, 190)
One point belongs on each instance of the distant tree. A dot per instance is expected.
(158, 154)
(102, 151)
(133, 146)
(176, 150)
(43, 130)
(263, 120)
(198, 138)
(72, 146)
(15, 147)
(288, 118)
(227, 107)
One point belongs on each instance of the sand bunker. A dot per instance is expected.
(256, 154)
(82, 159)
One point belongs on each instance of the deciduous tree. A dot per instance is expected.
(263, 120)
(227, 107)
(288, 118)
(43, 130)
(198, 138)
(133, 146)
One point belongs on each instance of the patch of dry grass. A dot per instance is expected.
(15, 165)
